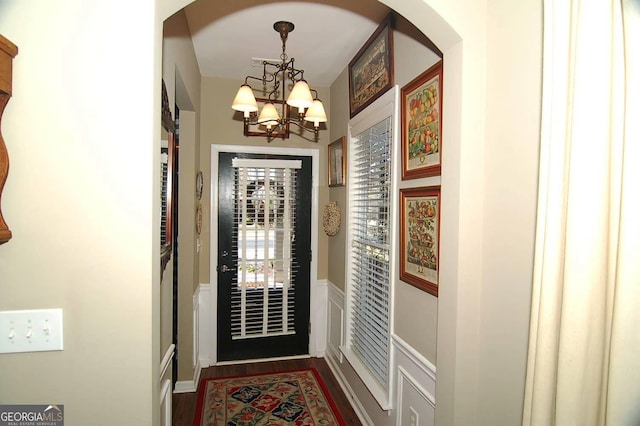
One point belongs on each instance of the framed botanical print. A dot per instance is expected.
(420, 237)
(371, 70)
(421, 118)
(337, 163)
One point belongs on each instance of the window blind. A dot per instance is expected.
(369, 217)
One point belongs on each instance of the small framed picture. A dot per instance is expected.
(337, 162)
(371, 70)
(421, 118)
(260, 129)
(420, 237)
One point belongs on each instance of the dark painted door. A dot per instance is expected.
(264, 249)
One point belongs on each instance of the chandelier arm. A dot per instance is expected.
(301, 125)
(272, 94)
(246, 79)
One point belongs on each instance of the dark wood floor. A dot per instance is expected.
(184, 404)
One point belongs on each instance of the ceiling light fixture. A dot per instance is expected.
(277, 75)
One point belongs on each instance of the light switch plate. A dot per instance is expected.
(31, 331)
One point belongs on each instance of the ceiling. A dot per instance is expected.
(327, 35)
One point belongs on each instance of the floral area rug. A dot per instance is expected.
(287, 398)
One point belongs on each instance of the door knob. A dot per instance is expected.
(224, 268)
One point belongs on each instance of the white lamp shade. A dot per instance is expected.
(316, 113)
(244, 100)
(269, 115)
(300, 95)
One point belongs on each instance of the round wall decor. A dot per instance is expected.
(331, 218)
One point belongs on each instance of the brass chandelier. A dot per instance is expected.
(280, 76)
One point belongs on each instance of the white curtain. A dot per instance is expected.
(584, 347)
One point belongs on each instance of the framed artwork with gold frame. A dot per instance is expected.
(371, 69)
(337, 162)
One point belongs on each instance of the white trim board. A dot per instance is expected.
(186, 386)
(415, 385)
(200, 339)
(348, 391)
(205, 333)
(166, 360)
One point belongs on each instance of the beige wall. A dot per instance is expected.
(182, 77)
(337, 249)
(514, 86)
(188, 256)
(81, 202)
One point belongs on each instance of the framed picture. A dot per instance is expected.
(420, 237)
(421, 118)
(260, 129)
(199, 185)
(337, 163)
(371, 70)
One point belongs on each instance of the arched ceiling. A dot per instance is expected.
(227, 35)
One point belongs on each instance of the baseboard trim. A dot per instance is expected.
(186, 386)
(350, 394)
(250, 361)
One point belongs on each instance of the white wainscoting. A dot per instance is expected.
(205, 322)
(333, 354)
(205, 335)
(415, 376)
(201, 303)
(318, 318)
(335, 322)
(165, 404)
(165, 389)
(415, 386)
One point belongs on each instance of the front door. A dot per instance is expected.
(264, 249)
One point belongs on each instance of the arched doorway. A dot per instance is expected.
(448, 41)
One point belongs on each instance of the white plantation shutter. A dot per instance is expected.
(262, 297)
(372, 205)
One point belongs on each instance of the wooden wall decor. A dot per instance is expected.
(8, 51)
